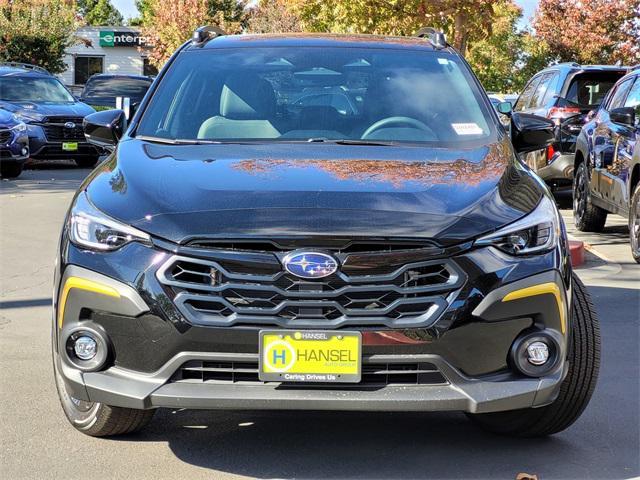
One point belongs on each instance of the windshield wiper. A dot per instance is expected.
(182, 141)
(348, 141)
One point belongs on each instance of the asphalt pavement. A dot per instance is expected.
(37, 442)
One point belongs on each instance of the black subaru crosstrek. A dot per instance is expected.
(607, 163)
(240, 252)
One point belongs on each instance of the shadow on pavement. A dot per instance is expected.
(46, 177)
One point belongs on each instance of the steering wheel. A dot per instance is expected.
(396, 121)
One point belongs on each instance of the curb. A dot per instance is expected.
(576, 250)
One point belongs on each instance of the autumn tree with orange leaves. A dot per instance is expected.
(594, 31)
(168, 24)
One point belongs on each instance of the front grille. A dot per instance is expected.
(374, 374)
(55, 130)
(211, 292)
(5, 135)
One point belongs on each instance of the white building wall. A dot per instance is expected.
(122, 60)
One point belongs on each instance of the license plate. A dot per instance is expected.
(310, 356)
(70, 146)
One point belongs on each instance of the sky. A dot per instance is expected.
(128, 9)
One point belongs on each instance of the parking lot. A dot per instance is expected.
(37, 442)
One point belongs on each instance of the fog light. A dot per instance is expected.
(24, 151)
(85, 347)
(538, 353)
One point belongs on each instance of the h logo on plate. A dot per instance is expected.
(279, 356)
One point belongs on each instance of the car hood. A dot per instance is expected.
(183, 192)
(45, 109)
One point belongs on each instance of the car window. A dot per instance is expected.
(525, 97)
(619, 95)
(116, 87)
(278, 93)
(633, 98)
(552, 89)
(33, 89)
(589, 89)
(541, 89)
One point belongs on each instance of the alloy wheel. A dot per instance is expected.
(579, 197)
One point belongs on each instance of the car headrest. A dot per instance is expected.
(247, 97)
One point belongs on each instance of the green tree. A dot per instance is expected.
(494, 58)
(37, 32)
(506, 59)
(464, 21)
(99, 12)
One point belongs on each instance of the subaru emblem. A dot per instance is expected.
(69, 125)
(310, 264)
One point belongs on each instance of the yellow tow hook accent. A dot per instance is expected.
(541, 289)
(82, 284)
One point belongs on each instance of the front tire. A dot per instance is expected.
(10, 169)
(97, 419)
(587, 217)
(634, 224)
(576, 389)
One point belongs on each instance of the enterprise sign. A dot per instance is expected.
(122, 39)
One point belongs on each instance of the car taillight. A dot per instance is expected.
(550, 151)
(557, 114)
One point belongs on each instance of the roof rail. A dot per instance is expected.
(436, 37)
(205, 33)
(573, 64)
(25, 66)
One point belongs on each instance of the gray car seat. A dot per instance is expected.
(247, 104)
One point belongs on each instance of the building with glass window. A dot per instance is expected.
(116, 50)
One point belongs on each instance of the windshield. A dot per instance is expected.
(33, 89)
(320, 94)
(116, 87)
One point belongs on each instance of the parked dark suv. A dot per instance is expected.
(607, 163)
(241, 251)
(14, 145)
(52, 115)
(564, 93)
(101, 90)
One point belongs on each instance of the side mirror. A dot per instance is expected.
(623, 115)
(531, 132)
(504, 108)
(105, 128)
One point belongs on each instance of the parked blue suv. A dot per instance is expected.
(52, 115)
(607, 163)
(14, 145)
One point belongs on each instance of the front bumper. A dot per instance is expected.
(468, 344)
(119, 387)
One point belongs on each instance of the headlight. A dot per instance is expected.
(19, 128)
(92, 229)
(537, 232)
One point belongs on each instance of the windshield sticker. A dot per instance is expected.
(443, 61)
(467, 128)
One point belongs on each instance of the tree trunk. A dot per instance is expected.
(460, 33)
